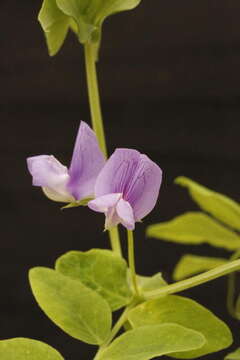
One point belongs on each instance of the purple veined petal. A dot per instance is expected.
(51, 175)
(104, 203)
(144, 187)
(117, 172)
(87, 161)
(125, 214)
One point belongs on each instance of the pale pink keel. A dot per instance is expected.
(126, 188)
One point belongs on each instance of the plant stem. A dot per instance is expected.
(115, 240)
(131, 261)
(97, 122)
(231, 288)
(119, 324)
(195, 280)
(93, 95)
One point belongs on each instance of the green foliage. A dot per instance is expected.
(218, 205)
(84, 17)
(190, 265)
(187, 313)
(79, 311)
(77, 203)
(55, 25)
(147, 342)
(27, 349)
(100, 270)
(195, 228)
(233, 355)
(150, 283)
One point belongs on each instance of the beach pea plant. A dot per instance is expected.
(83, 289)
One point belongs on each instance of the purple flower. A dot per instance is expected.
(127, 188)
(77, 182)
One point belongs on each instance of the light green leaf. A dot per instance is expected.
(27, 349)
(220, 206)
(76, 309)
(55, 25)
(188, 313)
(195, 228)
(233, 355)
(102, 271)
(90, 14)
(147, 342)
(150, 283)
(190, 265)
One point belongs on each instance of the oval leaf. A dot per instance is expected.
(220, 206)
(147, 342)
(195, 228)
(27, 349)
(188, 313)
(102, 271)
(190, 265)
(76, 309)
(233, 355)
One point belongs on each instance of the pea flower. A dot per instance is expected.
(127, 188)
(76, 183)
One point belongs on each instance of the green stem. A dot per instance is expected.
(195, 280)
(115, 240)
(231, 288)
(97, 122)
(131, 261)
(93, 95)
(119, 324)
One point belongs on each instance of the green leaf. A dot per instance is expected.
(90, 14)
(195, 228)
(102, 271)
(147, 342)
(76, 309)
(188, 313)
(150, 283)
(27, 349)
(233, 355)
(220, 206)
(190, 265)
(55, 25)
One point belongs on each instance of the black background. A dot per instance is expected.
(169, 78)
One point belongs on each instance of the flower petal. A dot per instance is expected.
(51, 175)
(104, 203)
(87, 161)
(117, 172)
(125, 214)
(144, 188)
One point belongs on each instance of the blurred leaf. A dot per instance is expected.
(27, 349)
(149, 283)
(188, 313)
(102, 271)
(195, 228)
(147, 342)
(233, 355)
(220, 206)
(55, 25)
(190, 265)
(76, 309)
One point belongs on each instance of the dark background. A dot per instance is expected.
(169, 77)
